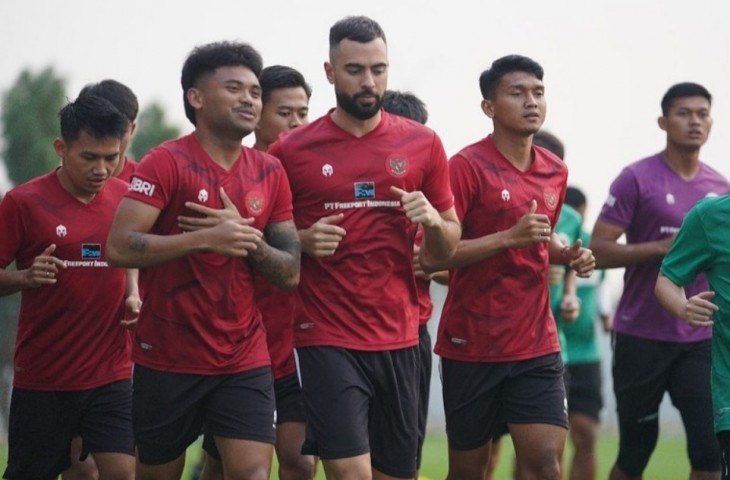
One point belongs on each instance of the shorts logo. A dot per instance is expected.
(91, 251)
(61, 231)
(505, 195)
(364, 189)
(396, 165)
(203, 195)
(551, 198)
(327, 170)
(140, 186)
(254, 202)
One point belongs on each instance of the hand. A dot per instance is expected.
(212, 216)
(569, 308)
(607, 322)
(323, 237)
(44, 269)
(417, 269)
(133, 304)
(530, 228)
(417, 207)
(580, 259)
(234, 238)
(699, 309)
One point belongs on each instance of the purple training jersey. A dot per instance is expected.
(649, 200)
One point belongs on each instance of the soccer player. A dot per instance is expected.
(72, 359)
(200, 353)
(655, 352)
(497, 337)
(362, 180)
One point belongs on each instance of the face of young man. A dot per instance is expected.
(86, 164)
(519, 103)
(286, 108)
(688, 122)
(359, 72)
(228, 101)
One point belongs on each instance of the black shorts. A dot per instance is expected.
(584, 389)
(424, 385)
(171, 410)
(479, 398)
(359, 402)
(289, 401)
(42, 425)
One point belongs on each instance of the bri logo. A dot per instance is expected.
(91, 250)
(140, 186)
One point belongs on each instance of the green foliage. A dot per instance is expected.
(30, 123)
(152, 129)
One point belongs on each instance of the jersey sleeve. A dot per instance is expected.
(462, 184)
(11, 220)
(622, 201)
(690, 253)
(282, 200)
(154, 179)
(436, 186)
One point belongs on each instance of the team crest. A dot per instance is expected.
(254, 202)
(551, 198)
(397, 165)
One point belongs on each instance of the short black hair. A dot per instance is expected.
(94, 115)
(359, 29)
(205, 59)
(280, 76)
(545, 139)
(489, 79)
(683, 90)
(120, 95)
(575, 197)
(406, 105)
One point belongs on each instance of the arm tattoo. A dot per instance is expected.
(278, 259)
(138, 242)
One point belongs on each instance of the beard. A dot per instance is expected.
(355, 109)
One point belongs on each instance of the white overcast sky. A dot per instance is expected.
(607, 63)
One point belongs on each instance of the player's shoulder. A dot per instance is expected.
(34, 186)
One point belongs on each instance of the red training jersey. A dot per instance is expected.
(364, 296)
(69, 333)
(498, 310)
(129, 167)
(277, 310)
(198, 315)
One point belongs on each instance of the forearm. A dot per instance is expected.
(671, 296)
(132, 283)
(468, 252)
(139, 250)
(441, 240)
(610, 254)
(12, 281)
(279, 267)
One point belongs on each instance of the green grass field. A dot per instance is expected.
(669, 461)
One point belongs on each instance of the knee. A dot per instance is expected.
(303, 467)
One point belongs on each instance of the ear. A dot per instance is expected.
(195, 97)
(132, 128)
(488, 108)
(60, 147)
(329, 71)
(662, 122)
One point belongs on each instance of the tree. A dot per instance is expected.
(152, 130)
(30, 123)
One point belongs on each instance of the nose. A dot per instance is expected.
(368, 80)
(295, 121)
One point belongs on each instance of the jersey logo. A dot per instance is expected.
(505, 195)
(364, 189)
(91, 251)
(551, 198)
(61, 231)
(610, 200)
(203, 195)
(396, 165)
(140, 186)
(327, 170)
(254, 202)
(670, 199)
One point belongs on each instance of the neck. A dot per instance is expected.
(223, 151)
(260, 145)
(355, 126)
(517, 150)
(82, 197)
(684, 162)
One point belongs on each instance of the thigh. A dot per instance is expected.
(106, 423)
(472, 400)
(167, 414)
(337, 398)
(393, 413)
(40, 430)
